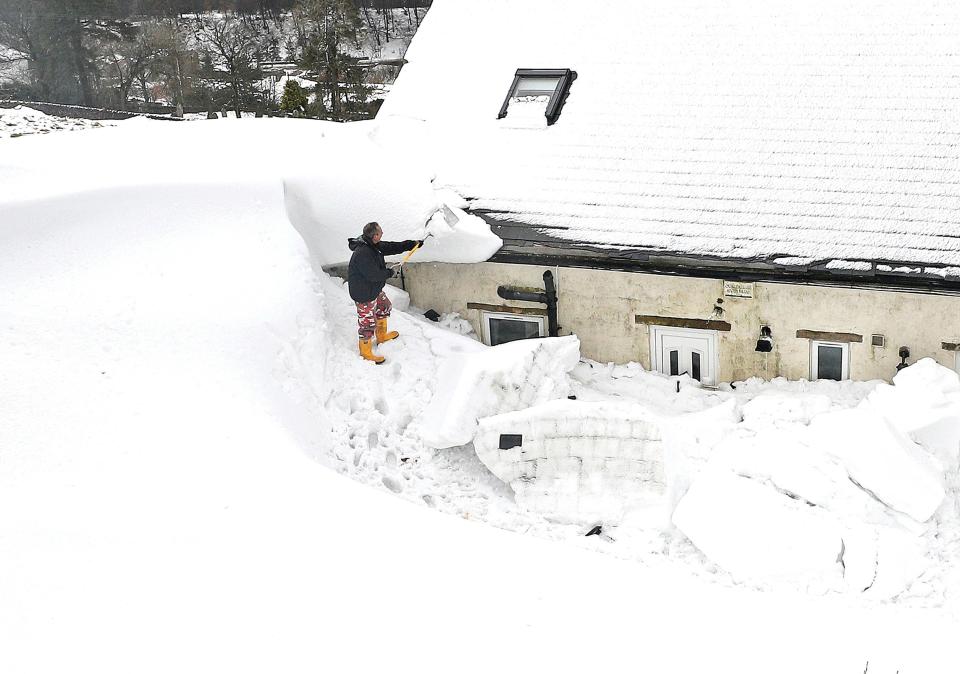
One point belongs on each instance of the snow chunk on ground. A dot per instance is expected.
(456, 323)
(775, 407)
(928, 375)
(780, 456)
(689, 441)
(399, 298)
(576, 461)
(924, 403)
(499, 379)
(900, 560)
(757, 533)
(880, 459)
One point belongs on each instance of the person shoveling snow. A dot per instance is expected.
(366, 276)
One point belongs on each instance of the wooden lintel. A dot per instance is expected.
(949, 346)
(674, 322)
(504, 309)
(829, 336)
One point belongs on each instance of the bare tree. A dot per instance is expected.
(331, 27)
(27, 30)
(128, 60)
(234, 44)
(176, 65)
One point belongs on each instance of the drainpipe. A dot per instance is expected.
(548, 297)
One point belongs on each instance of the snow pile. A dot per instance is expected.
(663, 393)
(455, 323)
(782, 408)
(499, 379)
(857, 478)
(575, 461)
(22, 120)
(924, 403)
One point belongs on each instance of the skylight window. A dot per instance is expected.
(543, 89)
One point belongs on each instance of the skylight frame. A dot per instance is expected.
(557, 98)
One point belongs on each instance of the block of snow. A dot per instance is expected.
(462, 238)
(399, 298)
(924, 403)
(498, 379)
(929, 418)
(927, 375)
(900, 560)
(783, 456)
(576, 461)
(882, 560)
(688, 442)
(880, 459)
(756, 533)
(859, 557)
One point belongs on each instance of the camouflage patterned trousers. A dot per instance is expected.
(369, 312)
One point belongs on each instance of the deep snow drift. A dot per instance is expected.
(323, 199)
(173, 365)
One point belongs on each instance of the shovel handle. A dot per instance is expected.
(407, 256)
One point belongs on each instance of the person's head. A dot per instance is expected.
(372, 231)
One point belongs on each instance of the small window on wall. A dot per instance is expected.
(829, 360)
(538, 93)
(502, 328)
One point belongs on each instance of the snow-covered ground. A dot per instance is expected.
(182, 403)
(23, 120)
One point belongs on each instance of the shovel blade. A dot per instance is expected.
(449, 216)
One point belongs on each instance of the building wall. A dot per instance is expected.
(600, 308)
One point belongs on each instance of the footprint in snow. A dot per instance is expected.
(381, 406)
(392, 483)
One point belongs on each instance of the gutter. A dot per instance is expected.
(730, 271)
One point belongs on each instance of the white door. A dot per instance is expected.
(687, 351)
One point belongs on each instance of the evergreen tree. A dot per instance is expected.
(329, 29)
(294, 99)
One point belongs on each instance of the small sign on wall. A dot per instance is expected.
(738, 289)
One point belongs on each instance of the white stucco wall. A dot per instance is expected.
(600, 308)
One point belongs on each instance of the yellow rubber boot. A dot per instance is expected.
(366, 352)
(382, 334)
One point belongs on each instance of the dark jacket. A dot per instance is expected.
(368, 271)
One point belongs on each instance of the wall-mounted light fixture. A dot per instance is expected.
(718, 308)
(904, 353)
(765, 343)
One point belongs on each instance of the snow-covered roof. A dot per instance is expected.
(741, 129)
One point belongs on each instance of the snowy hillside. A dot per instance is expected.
(181, 390)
